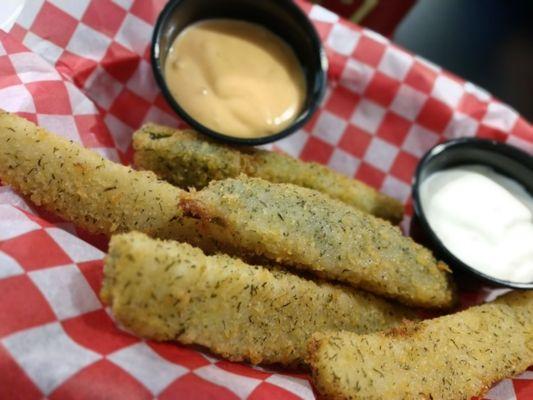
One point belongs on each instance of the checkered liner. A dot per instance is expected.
(81, 68)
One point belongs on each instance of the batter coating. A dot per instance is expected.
(186, 159)
(166, 290)
(249, 216)
(453, 357)
(304, 229)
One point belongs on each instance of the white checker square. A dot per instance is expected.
(80, 103)
(9, 197)
(16, 99)
(32, 68)
(461, 125)
(78, 250)
(147, 366)
(396, 188)
(368, 116)
(322, 14)
(294, 144)
(300, 387)
(48, 355)
(480, 93)
(2, 50)
(343, 162)
(125, 4)
(134, 34)
(102, 88)
(408, 102)
(343, 39)
(241, 385)
(428, 64)
(48, 50)
(88, 43)
(447, 90)
(66, 290)
(500, 116)
(14, 222)
(109, 153)
(74, 8)
(396, 63)
(29, 12)
(158, 116)
(121, 132)
(63, 125)
(329, 127)
(8, 266)
(503, 390)
(142, 82)
(381, 154)
(356, 76)
(526, 146)
(419, 140)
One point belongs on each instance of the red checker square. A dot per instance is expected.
(29, 116)
(472, 106)
(488, 132)
(147, 10)
(96, 331)
(35, 250)
(316, 150)
(104, 16)
(523, 389)
(12, 46)
(323, 29)
(179, 355)
(342, 102)
(369, 51)
(120, 62)
(267, 391)
(102, 379)
(50, 97)
(76, 67)
(93, 271)
(191, 386)
(8, 75)
(522, 129)
(435, 115)
(404, 166)
(382, 89)
(93, 131)
(130, 108)
(14, 383)
(22, 306)
(394, 128)
(421, 77)
(243, 370)
(337, 63)
(370, 175)
(310, 125)
(355, 141)
(99, 241)
(162, 103)
(46, 25)
(17, 32)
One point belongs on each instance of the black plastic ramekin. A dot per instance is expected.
(504, 159)
(282, 17)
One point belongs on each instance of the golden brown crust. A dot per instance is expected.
(172, 291)
(453, 357)
(187, 159)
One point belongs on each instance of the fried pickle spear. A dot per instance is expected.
(82, 187)
(453, 357)
(304, 229)
(186, 159)
(165, 290)
(282, 222)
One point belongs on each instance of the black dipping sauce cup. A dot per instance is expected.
(281, 17)
(503, 159)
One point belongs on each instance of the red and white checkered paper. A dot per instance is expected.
(81, 68)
